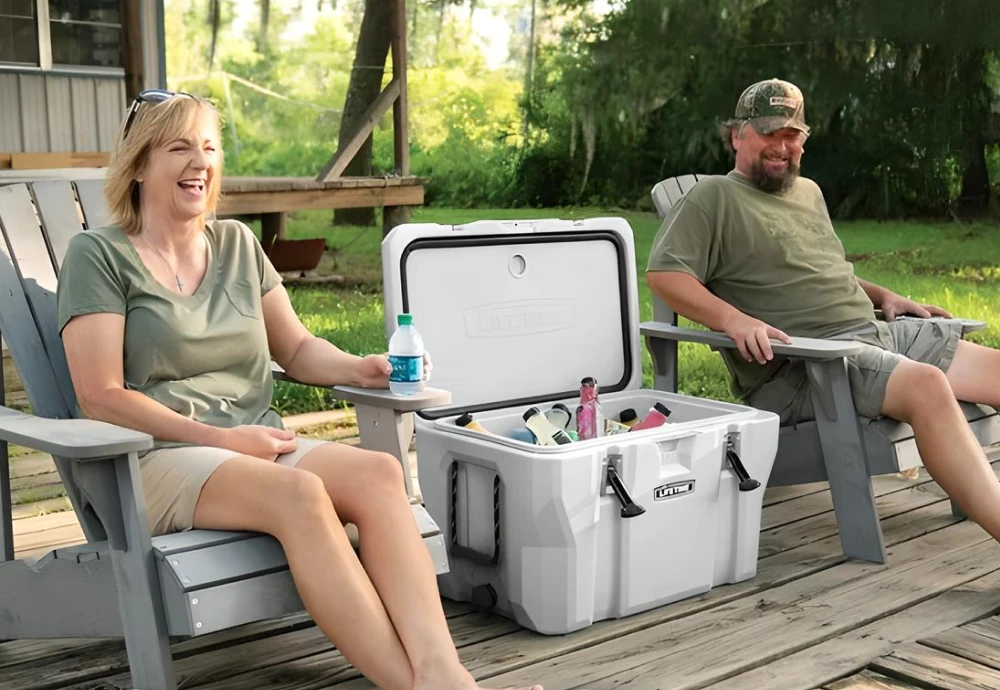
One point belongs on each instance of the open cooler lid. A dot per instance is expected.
(517, 312)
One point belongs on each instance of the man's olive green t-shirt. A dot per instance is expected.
(774, 256)
(204, 355)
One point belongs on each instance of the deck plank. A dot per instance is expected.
(685, 654)
(931, 668)
(869, 680)
(851, 652)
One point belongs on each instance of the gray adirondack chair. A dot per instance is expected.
(839, 446)
(178, 585)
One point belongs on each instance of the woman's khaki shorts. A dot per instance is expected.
(886, 344)
(172, 479)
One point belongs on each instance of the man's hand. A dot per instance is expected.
(753, 337)
(896, 305)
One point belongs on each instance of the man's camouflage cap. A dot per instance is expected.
(771, 105)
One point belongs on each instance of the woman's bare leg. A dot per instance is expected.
(247, 493)
(367, 490)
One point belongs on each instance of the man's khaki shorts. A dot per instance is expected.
(173, 477)
(932, 341)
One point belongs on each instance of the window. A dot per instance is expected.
(18, 31)
(85, 32)
(65, 33)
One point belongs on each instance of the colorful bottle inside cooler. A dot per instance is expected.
(559, 415)
(586, 416)
(524, 435)
(628, 417)
(612, 427)
(657, 416)
(468, 422)
(546, 433)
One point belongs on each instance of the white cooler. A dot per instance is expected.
(514, 315)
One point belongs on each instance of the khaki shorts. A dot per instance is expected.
(172, 479)
(931, 341)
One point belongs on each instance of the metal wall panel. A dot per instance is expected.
(59, 113)
(84, 108)
(34, 123)
(10, 114)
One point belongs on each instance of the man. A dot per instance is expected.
(753, 254)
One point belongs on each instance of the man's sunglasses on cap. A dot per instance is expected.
(148, 96)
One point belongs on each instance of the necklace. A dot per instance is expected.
(177, 278)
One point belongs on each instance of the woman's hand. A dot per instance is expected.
(374, 370)
(259, 441)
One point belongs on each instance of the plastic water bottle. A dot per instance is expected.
(406, 355)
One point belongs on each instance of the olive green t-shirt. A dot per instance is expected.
(774, 256)
(204, 355)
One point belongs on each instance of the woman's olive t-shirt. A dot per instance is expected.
(205, 355)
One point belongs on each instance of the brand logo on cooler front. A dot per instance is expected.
(662, 493)
(524, 317)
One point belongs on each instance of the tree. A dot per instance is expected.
(364, 87)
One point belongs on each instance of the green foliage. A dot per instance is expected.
(899, 93)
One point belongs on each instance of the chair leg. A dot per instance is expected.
(957, 511)
(113, 489)
(844, 458)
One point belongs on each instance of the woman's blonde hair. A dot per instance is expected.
(154, 125)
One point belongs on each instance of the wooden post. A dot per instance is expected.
(400, 129)
(132, 48)
(397, 215)
(272, 227)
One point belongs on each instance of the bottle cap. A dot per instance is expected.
(627, 415)
(464, 420)
(663, 409)
(404, 319)
(588, 381)
(531, 412)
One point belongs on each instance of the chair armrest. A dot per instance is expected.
(968, 325)
(77, 439)
(800, 348)
(376, 397)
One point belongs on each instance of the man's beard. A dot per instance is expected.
(767, 182)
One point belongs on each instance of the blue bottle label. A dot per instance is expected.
(406, 368)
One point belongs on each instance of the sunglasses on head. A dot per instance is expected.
(148, 96)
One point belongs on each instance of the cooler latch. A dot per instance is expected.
(630, 508)
(747, 483)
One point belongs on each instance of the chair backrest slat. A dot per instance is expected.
(61, 216)
(95, 208)
(28, 299)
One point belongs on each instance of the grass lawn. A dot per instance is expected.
(951, 265)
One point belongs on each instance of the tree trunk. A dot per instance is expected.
(529, 73)
(265, 13)
(974, 199)
(364, 87)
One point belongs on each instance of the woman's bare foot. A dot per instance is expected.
(459, 679)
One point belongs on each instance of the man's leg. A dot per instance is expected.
(974, 374)
(922, 396)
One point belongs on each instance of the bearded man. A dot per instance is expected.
(753, 254)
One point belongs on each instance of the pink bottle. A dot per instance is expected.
(657, 417)
(586, 414)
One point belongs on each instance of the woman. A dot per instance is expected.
(169, 323)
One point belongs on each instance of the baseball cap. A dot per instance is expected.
(772, 105)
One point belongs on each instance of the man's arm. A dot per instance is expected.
(893, 305)
(687, 296)
(876, 293)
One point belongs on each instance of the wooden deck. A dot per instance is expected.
(808, 620)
